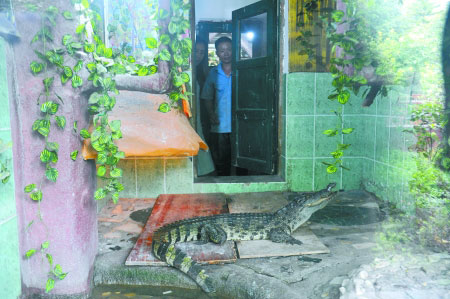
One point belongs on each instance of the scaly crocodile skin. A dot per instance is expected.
(276, 227)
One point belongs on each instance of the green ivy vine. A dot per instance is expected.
(346, 69)
(5, 174)
(48, 110)
(103, 64)
(179, 51)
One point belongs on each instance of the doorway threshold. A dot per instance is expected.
(238, 179)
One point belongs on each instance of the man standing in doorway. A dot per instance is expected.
(216, 96)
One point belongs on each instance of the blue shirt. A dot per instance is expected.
(218, 87)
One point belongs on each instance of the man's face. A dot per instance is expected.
(224, 52)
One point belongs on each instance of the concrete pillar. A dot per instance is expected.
(68, 210)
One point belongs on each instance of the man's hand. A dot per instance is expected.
(213, 119)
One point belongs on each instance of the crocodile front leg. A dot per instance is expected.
(213, 233)
(282, 235)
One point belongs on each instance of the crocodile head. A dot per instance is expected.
(318, 200)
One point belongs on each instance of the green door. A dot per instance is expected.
(254, 138)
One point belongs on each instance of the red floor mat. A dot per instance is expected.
(173, 207)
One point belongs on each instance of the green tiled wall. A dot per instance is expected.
(377, 159)
(10, 285)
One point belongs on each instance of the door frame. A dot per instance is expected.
(279, 142)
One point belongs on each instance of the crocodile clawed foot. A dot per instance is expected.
(294, 241)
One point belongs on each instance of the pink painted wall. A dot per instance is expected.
(68, 208)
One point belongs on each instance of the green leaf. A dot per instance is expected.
(49, 285)
(178, 59)
(48, 83)
(94, 109)
(115, 197)
(115, 125)
(143, 71)
(116, 134)
(36, 67)
(67, 15)
(44, 131)
(67, 38)
(172, 27)
(45, 245)
(29, 188)
(347, 131)
(75, 126)
(85, 134)
(89, 48)
(151, 42)
(45, 156)
(77, 81)
(337, 154)
(164, 55)
(76, 45)
(101, 171)
(185, 77)
(64, 79)
(80, 29)
(118, 186)
(52, 146)
(344, 96)
(30, 253)
(164, 107)
(330, 133)
(50, 107)
(116, 173)
(85, 3)
(102, 158)
(331, 169)
(67, 71)
(164, 39)
(92, 67)
(174, 96)
(36, 196)
(61, 121)
(99, 194)
(337, 15)
(49, 258)
(108, 53)
(343, 146)
(333, 96)
(52, 174)
(131, 59)
(57, 270)
(120, 155)
(54, 157)
(73, 155)
(153, 69)
(78, 65)
(187, 44)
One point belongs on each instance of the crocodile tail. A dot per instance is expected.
(177, 258)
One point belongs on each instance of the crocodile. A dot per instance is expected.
(276, 227)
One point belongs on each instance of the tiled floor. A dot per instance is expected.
(119, 226)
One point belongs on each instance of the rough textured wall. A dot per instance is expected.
(68, 209)
(9, 242)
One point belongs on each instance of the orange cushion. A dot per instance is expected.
(148, 132)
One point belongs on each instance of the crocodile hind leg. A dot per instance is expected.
(180, 260)
(281, 235)
(213, 233)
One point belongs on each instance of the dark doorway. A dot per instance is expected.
(253, 28)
